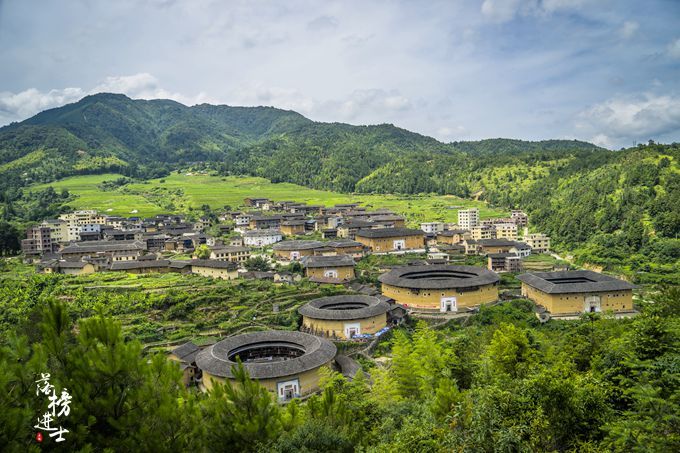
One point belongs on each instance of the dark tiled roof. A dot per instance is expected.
(438, 277)
(389, 232)
(502, 255)
(328, 261)
(148, 264)
(215, 264)
(72, 264)
(298, 245)
(573, 282)
(103, 246)
(344, 243)
(229, 248)
(451, 232)
(348, 366)
(261, 233)
(317, 352)
(186, 352)
(345, 307)
(353, 223)
(496, 243)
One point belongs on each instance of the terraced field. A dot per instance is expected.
(182, 192)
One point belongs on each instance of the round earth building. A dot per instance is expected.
(285, 363)
(344, 316)
(440, 288)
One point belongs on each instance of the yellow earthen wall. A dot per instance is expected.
(430, 299)
(574, 303)
(332, 328)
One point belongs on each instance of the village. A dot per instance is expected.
(285, 242)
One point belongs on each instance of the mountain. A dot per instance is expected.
(111, 132)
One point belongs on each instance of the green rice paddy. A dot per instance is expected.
(183, 192)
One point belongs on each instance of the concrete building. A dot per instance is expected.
(519, 217)
(261, 238)
(504, 262)
(285, 363)
(505, 231)
(468, 218)
(440, 288)
(343, 317)
(77, 219)
(432, 227)
(480, 232)
(391, 239)
(573, 292)
(38, 241)
(539, 243)
(58, 230)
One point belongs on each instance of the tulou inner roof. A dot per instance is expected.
(315, 352)
(344, 307)
(438, 276)
(573, 282)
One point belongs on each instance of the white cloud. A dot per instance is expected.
(674, 48)
(602, 140)
(628, 29)
(620, 120)
(22, 105)
(506, 10)
(451, 133)
(15, 106)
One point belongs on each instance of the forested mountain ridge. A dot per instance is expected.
(111, 132)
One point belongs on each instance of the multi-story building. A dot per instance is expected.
(539, 242)
(38, 241)
(77, 219)
(480, 232)
(265, 222)
(520, 218)
(261, 238)
(58, 230)
(229, 253)
(468, 218)
(506, 231)
(504, 262)
(432, 227)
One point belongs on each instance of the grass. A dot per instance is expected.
(89, 196)
(182, 192)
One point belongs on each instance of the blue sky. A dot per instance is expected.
(606, 71)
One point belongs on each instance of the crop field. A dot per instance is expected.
(161, 309)
(182, 192)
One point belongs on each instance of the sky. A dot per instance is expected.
(605, 71)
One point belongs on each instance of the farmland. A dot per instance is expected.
(184, 192)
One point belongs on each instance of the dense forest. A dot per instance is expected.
(500, 381)
(615, 209)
